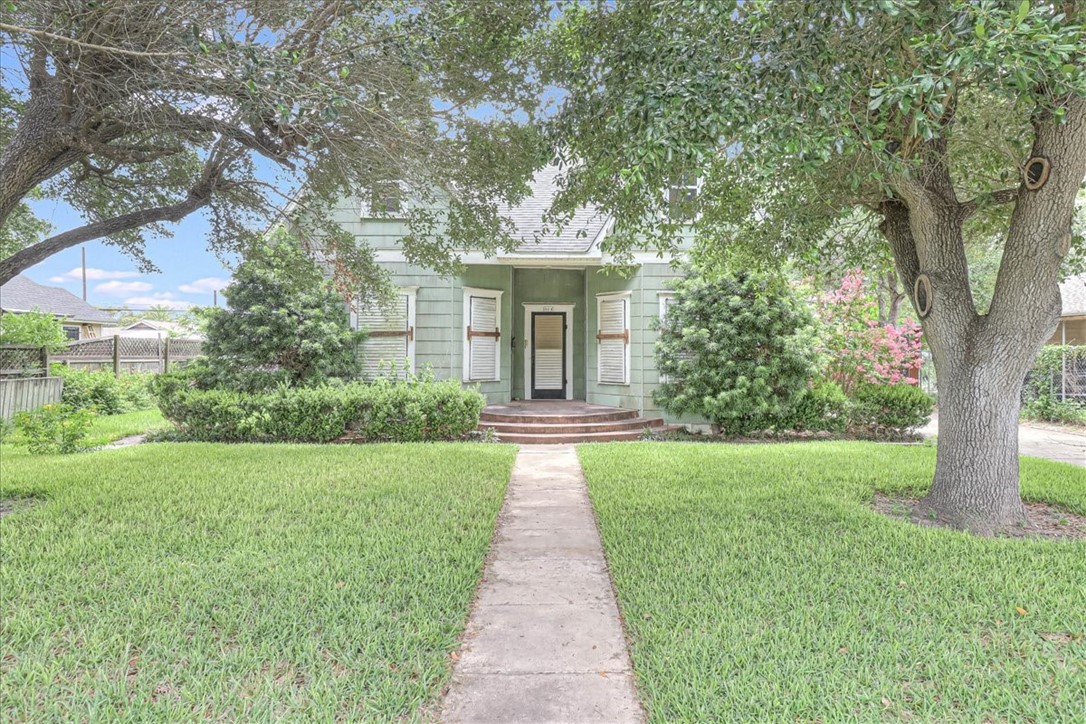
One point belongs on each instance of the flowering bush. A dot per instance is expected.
(857, 348)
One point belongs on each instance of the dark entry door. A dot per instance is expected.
(548, 355)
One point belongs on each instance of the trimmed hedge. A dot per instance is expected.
(882, 410)
(822, 407)
(416, 410)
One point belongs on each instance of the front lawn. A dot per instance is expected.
(104, 429)
(187, 581)
(757, 584)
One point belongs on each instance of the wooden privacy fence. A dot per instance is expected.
(28, 393)
(24, 380)
(129, 354)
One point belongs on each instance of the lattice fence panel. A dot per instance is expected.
(19, 360)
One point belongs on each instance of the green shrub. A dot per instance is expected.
(418, 409)
(103, 392)
(822, 407)
(1047, 408)
(35, 327)
(887, 410)
(57, 428)
(1041, 401)
(735, 348)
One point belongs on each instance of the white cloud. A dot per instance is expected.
(93, 274)
(163, 299)
(119, 289)
(205, 285)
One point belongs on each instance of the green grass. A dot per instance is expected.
(184, 581)
(757, 584)
(108, 428)
(104, 430)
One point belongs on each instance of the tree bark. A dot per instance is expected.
(981, 361)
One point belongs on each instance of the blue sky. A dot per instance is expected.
(189, 271)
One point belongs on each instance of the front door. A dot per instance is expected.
(548, 355)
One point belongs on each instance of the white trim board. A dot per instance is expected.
(567, 309)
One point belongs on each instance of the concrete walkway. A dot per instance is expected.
(544, 642)
(1059, 444)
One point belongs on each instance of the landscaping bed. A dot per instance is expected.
(758, 583)
(205, 581)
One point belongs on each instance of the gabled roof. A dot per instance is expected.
(23, 294)
(577, 236)
(1073, 294)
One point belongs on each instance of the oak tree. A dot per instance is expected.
(928, 116)
(138, 113)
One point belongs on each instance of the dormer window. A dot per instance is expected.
(386, 200)
(682, 196)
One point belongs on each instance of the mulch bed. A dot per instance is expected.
(1042, 519)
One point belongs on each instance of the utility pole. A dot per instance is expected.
(215, 297)
(84, 250)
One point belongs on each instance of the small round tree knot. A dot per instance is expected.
(922, 295)
(1035, 172)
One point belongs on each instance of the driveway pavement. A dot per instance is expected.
(1040, 441)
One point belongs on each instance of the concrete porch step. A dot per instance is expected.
(579, 427)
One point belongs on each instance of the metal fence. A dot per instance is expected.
(129, 354)
(1066, 384)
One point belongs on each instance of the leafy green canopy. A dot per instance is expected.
(284, 324)
(795, 113)
(138, 113)
(736, 349)
(35, 327)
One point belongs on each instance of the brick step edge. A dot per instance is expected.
(560, 439)
(588, 418)
(635, 425)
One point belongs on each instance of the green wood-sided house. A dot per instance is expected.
(548, 322)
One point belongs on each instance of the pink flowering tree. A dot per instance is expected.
(856, 347)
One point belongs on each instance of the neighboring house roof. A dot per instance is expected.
(577, 236)
(153, 328)
(1073, 294)
(22, 294)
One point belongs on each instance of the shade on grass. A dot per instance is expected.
(757, 584)
(182, 581)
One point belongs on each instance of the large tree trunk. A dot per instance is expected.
(976, 470)
(981, 361)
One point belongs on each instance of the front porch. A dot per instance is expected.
(542, 422)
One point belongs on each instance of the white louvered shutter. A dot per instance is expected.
(613, 339)
(389, 338)
(483, 338)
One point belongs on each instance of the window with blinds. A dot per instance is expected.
(482, 343)
(613, 340)
(389, 347)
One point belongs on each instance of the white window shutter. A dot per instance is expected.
(390, 338)
(613, 340)
(484, 336)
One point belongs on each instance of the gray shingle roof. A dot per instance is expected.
(1073, 293)
(575, 237)
(22, 294)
